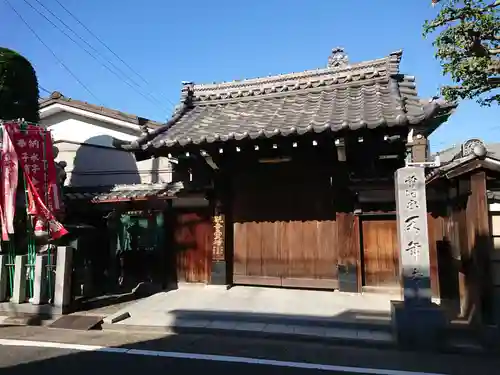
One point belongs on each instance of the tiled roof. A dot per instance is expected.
(474, 150)
(57, 98)
(118, 193)
(370, 94)
(455, 152)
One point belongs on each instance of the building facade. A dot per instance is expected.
(301, 167)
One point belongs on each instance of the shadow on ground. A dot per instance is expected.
(351, 319)
(136, 352)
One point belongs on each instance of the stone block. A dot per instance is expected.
(39, 282)
(64, 274)
(348, 278)
(115, 318)
(218, 276)
(418, 326)
(19, 291)
(413, 237)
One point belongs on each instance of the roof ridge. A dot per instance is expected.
(57, 97)
(383, 67)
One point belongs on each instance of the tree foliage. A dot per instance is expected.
(18, 87)
(468, 47)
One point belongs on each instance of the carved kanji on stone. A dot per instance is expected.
(411, 224)
(414, 248)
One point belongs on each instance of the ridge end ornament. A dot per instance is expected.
(338, 58)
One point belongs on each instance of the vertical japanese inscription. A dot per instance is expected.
(218, 244)
(412, 231)
(412, 245)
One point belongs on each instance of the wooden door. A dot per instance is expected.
(380, 252)
(284, 229)
(193, 237)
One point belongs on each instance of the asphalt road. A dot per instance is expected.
(51, 351)
(55, 361)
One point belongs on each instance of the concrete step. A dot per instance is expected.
(379, 322)
(260, 330)
(327, 335)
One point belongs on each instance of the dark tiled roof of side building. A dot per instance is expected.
(369, 94)
(57, 98)
(474, 153)
(454, 152)
(97, 194)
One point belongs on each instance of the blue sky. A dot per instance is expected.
(167, 42)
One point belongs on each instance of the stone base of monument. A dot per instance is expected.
(418, 326)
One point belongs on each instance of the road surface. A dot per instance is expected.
(43, 351)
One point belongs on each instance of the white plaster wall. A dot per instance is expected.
(76, 136)
(97, 166)
(71, 127)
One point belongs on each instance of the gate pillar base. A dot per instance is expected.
(64, 271)
(39, 283)
(19, 290)
(219, 273)
(418, 327)
(348, 278)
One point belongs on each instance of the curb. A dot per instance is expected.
(124, 328)
(473, 350)
(318, 322)
(368, 343)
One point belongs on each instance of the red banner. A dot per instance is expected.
(34, 149)
(33, 146)
(9, 176)
(44, 218)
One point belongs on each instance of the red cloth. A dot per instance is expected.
(33, 146)
(44, 218)
(9, 177)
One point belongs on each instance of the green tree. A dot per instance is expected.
(468, 47)
(18, 87)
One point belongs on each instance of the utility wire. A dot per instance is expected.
(152, 101)
(97, 52)
(52, 52)
(109, 49)
(44, 89)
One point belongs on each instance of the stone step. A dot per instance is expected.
(375, 322)
(260, 330)
(326, 335)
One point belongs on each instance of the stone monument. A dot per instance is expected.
(416, 320)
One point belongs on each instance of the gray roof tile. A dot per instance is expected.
(102, 194)
(370, 94)
(57, 98)
(454, 152)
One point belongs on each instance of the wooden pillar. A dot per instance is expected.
(477, 301)
(418, 149)
(349, 257)
(219, 266)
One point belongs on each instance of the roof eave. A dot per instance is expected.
(139, 145)
(437, 114)
(48, 102)
(463, 166)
